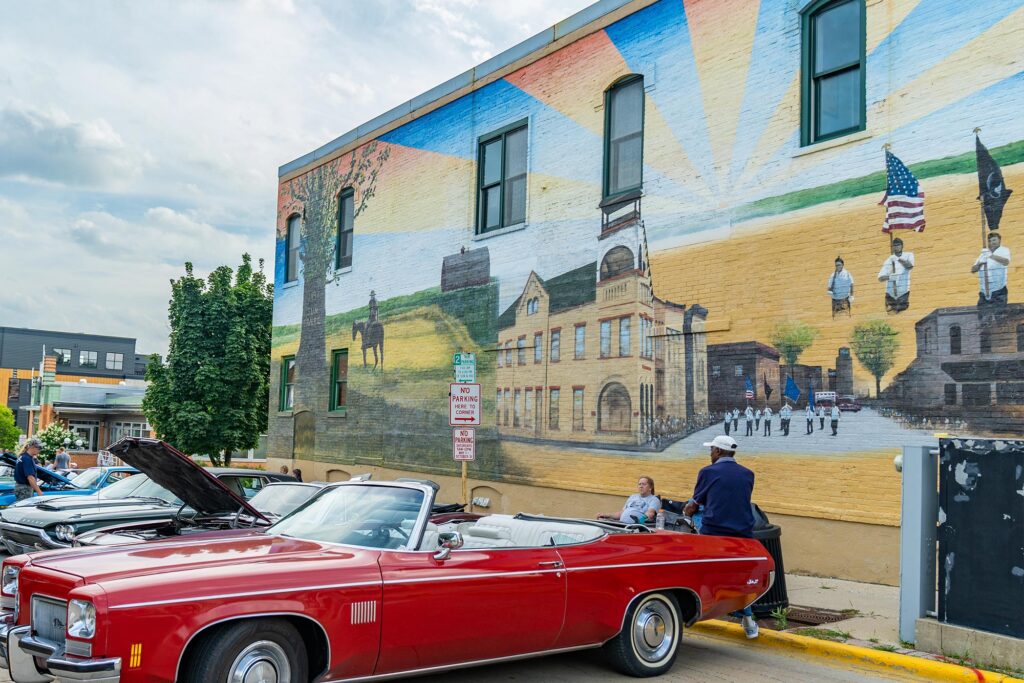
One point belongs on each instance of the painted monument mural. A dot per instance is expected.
(836, 302)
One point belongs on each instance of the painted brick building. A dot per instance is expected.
(694, 168)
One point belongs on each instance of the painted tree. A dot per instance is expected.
(790, 339)
(210, 396)
(875, 344)
(316, 196)
(9, 431)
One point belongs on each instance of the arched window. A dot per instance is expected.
(617, 260)
(832, 77)
(954, 340)
(346, 227)
(531, 306)
(614, 409)
(292, 241)
(624, 136)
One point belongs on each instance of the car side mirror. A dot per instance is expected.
(447, 541)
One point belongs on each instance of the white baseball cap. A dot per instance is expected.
(725, 443)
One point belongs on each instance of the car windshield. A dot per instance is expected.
(124, 488)
(89, 478)
(280, 499)
(362, 515)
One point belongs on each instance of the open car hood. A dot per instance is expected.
(177, 473)
(46, 475)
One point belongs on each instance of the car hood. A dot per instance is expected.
(68, 509)
(177, 473)
(46, 475)
(178, 555)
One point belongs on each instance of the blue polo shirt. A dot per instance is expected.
(724, 489)
(25, 468)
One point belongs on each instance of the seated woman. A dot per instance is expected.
(640, 507)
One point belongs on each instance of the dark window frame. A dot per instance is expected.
(282, 405)
(113, 361)
(333, 406)
(956, 340)
(63, 356)
(809, 79)
(345, 261)
(502, 135)
(291, 272)
(606, 193)
(93, 363)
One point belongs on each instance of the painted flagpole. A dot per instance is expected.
(885, 210)
(984, 225)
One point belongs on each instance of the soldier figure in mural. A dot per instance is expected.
(840, 288)
(785, 415)
(748, 414)
(991, 267)
(767, 421)
(834, 415)
(809, 414)
(757, 420)
(895, 273)
(372, 332)
(821, 416)
(728, 422)
(736, 419)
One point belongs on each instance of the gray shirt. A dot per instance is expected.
(62, 461)
(637, 505)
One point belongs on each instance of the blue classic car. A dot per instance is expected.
(88, 482)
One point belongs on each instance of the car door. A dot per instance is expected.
(477, 605)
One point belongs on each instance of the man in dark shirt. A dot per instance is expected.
(25, 481)
(724, 488)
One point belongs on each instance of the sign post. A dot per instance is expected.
(464, 408)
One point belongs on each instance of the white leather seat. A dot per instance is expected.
(429, 541)
(482, 535)
(506, 531)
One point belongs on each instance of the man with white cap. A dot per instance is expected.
(724, 489)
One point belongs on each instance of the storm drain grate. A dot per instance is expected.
(813, 616)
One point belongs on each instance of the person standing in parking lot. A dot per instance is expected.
(62, 461)
(724, 489)
(25, 481)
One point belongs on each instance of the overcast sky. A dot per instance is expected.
(137, 135)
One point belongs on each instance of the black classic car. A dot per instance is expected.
(171, 488)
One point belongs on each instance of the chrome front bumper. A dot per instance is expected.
(32, 660)
(45, 542)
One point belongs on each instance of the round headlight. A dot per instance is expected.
(10, 580)
(81, 619)
(65, 532)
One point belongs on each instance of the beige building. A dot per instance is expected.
(592, 355)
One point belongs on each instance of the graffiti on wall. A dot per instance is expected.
(842, 302)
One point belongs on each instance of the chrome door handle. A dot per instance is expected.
(556, 564)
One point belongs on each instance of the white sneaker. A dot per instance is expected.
(750, 627)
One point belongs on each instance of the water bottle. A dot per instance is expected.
(659, 521)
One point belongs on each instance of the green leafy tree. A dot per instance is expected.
(210, 396)
(53, 437)
(9, 431)
(792, 338)
(875, 344)
(316, 194)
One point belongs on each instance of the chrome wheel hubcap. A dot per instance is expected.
(653, 631)
(261, 662)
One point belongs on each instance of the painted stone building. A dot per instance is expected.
(734, 152)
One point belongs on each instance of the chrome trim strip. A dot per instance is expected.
(464, 665)
(667, 562)
(245, 594)
(177, 669)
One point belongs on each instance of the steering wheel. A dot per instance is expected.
(383, 527)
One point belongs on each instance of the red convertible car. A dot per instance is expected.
(359, 584)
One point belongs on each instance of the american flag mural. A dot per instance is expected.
(903, 200)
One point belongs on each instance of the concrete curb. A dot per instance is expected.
(878, 659)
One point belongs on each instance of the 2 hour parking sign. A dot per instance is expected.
(464, 405)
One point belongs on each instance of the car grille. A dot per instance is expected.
(24, 539)
(48, 618)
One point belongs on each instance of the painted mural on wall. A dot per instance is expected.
(841, 302)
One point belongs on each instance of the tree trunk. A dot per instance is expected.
(878, 386)
(311, 380)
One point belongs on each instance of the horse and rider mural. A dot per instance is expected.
(372, 333)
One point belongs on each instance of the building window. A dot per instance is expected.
(625, 343)
(1020, 338)
(292, 242)
(646, 330)
(64, 355)
(497, 409)
(517, 418)
(532, 305)
(577, 410)
(120, 430)
(624, 136)
(606, 338)
(528, 414)
(950, 394)
(87, 359)
(346, 227)
(521, 350)
(618, 260)
(501, 199)
(985, 340)
(508, 354)
(339, 380)
(538, 347)
(507, 401)
(556, 345)
(501, 357)
(954, 340)
(553, 408)
(287, 383)
(1010, 393)
(833, 70)
(976, 394)
(115, 361)
(581, 341)
(716, 370)
(737, 371)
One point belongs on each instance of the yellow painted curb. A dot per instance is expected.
(879, 659)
